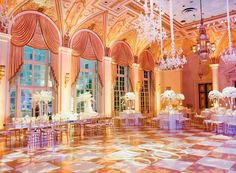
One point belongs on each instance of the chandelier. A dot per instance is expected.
(229, 56)
(204, 47)
(148, 26)
(5, 20)
(173, 60)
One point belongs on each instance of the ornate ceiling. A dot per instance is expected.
(114, 20)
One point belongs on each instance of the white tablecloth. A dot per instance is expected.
(171, 119)
(136, 117)
(224, 118)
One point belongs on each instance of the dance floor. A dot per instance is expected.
(142, 150)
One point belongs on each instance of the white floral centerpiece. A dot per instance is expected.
(168, 96)
(88, 110)
(215, 96)
(229, 93)
(42, 98)
(66, 116)
(180, 97)
(129, 96)
(129, 99)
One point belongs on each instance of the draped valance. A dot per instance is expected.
(87, 45)
(36, 31)
(147, 63)
(121, 55)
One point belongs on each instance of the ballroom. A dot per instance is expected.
(118, 86)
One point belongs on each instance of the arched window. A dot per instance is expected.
(87, 82)
(147, 80)
(145, 93)
(35, 75)
(88, 52)
(122, 59)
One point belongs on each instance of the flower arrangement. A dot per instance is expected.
(229, 92)
(128, 100)
(215, 95)
(87, 96)
(129, 96)
(180, 97)
(42, 96)
(168, 95)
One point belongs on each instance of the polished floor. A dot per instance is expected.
(130, 150)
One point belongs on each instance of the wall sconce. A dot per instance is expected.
(2, 71)
(67, 78)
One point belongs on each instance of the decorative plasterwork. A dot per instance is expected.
(114, 20)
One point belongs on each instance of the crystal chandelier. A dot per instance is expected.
(204, 47)
(148, 26)
(175, 60)
(5, 20)
(229, 56)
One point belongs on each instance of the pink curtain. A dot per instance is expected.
(50, 34)
(147, 63)
(37, 41)
(121, 55)
(114, 73)
(23, 30)
(37, 32)
(88, 46)
(16, 60)
(75, 68)
(55, 67)
(131, 78)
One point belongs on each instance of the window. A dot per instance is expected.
(145, 93)
(34, 76)
(121, 87)
(87, 82)
(12, 102)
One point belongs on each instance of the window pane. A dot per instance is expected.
(12, 103)
(26, 75)
(87, 82)
(25, 107)
(39, 55)
(39, 75)
(28, 53)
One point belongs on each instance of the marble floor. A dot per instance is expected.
(130, 150)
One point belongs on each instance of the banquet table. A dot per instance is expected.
(126, 116)
(168, 121)
(224, 118)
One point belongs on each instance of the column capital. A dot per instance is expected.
(135, 65)
(157, 69)
(107, 58)
(65, 50)
(214, 66)
(5, 37)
